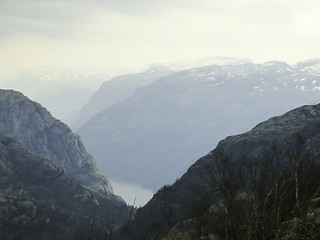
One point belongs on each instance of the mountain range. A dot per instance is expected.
(155, 134)
(116, 90)
(261, 184)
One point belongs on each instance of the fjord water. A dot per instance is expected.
(130, 192)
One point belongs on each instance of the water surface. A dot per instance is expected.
(129, 192)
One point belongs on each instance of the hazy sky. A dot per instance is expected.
(117, 34)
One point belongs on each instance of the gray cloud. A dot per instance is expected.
(60, 11)
(100, 30)
(147, 7)
(46, 18)
(59, 17)
(49, 11)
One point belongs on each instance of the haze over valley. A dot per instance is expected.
(146, 128)
(160, 129)
(164, 120)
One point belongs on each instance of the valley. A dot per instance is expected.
(166, 147)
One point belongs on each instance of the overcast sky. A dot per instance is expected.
(116, 34)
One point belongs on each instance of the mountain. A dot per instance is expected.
(33, 126)
(311, 66)
(116, 90)
(205, 61)
(262, 184)
(153, 136)
(121, 87)
(39, 200)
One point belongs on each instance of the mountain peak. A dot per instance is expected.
(33, 126)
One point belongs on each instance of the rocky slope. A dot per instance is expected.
(116, 90)
(33, 126)
(154, 135)
(39, 200)
(277, 163)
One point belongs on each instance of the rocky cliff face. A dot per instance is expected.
(281, 147)
(39, 200)
(33, 126)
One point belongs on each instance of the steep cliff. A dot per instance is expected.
(39, 200)
(33, 126)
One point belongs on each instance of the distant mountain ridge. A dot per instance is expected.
(116, 90)
(205, 61)
(163, 127)
(33, 126)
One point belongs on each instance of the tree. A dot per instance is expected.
(226, 179)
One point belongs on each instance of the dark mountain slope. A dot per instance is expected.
(270, 168)
(33, 126)
(39, 200)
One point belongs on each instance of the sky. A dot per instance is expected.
(128, 34)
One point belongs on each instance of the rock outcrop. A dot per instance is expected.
(33, 126)
(39, 200)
